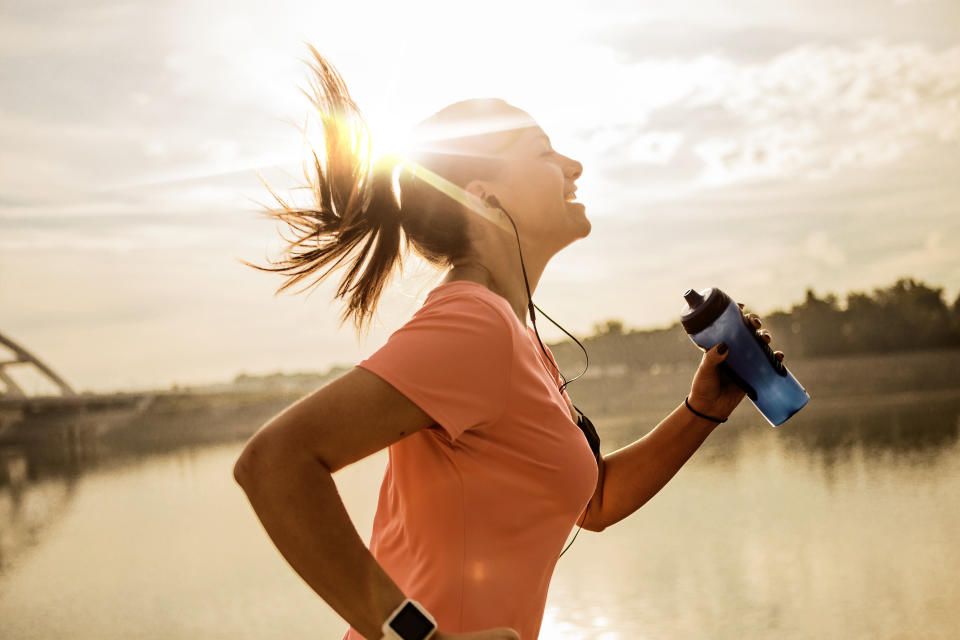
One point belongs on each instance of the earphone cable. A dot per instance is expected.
(533, 318)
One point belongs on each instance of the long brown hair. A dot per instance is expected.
(357, 213)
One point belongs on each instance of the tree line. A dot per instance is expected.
(908, 314)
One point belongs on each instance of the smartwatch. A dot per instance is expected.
(409, 621)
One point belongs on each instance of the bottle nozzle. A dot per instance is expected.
(693, 298)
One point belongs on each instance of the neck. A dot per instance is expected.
(500, 271)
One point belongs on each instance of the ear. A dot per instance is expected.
(477, 191)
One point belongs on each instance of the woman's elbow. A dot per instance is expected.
(245, 466)
(240, 469)
(594, 525)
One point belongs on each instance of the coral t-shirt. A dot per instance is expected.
(474, 510)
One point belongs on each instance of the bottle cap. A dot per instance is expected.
(701, 310)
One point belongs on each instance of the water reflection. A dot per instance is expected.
(923, 426)
(842, 522)
(27, 505)
(844, 528)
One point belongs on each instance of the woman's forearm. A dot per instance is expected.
(301, 510)
(635, 473)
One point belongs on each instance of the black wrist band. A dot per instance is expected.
(686, 401)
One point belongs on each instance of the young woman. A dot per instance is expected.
(489, 469)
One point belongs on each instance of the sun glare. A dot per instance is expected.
(386, 138)
(390, 137)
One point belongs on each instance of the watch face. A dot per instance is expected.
(410, 624)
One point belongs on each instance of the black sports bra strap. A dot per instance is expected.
(590, 432)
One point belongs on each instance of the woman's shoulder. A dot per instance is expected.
(471, 299)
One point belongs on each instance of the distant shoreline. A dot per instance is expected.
(837, 384)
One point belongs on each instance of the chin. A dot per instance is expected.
(580, 221)
(584, 227)
(579, 231)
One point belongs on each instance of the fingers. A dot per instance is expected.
(755, 321)
(765, 335)
(719, 351)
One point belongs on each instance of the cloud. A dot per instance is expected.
(868, 104)
(819, 247)
(747, 31)
(769, 151)
(807, 113)
(667, 39)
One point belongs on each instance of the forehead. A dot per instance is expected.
(535, 134)
(522, 139)
(494, 130)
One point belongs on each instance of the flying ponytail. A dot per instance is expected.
(356, 210)
(358, 215)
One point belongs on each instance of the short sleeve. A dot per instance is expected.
(453, 359)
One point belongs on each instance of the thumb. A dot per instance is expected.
(718, 353)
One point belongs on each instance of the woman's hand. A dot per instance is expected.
(716, 396)
(500, 633)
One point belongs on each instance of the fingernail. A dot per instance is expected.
(722, 348)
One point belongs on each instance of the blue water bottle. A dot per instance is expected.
(710, 317)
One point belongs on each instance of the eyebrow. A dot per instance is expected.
(544, 136)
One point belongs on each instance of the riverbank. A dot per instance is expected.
(622, 404)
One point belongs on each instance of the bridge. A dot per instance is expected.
(84, 413)
(22, 356)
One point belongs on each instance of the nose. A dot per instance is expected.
(572, 169)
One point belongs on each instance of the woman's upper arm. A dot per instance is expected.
(346, 420)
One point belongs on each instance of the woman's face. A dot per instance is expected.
(534, 188)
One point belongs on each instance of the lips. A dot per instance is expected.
(569, 196)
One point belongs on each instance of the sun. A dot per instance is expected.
(375, 139)
(370, 141)
(387, 136)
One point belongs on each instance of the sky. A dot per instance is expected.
(761, 147)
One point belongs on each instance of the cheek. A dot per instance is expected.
(545, 187)
(538, 192)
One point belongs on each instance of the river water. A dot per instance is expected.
(821, 528)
